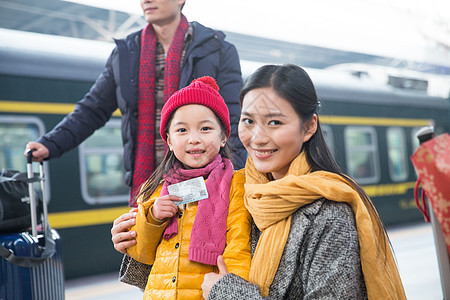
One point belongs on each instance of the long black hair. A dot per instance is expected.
(168, 163)
(293, 84)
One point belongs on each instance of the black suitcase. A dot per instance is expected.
(31, 265)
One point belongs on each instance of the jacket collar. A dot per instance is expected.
(205, 40)
(201, 35)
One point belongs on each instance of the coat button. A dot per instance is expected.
(174, 279)
(177, 245)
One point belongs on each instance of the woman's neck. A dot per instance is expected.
(270, 176)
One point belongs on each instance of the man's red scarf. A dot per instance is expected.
(144, 162)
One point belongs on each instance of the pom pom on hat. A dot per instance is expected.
(202, 91)
(208, 80)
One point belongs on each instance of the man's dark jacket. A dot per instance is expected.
(117, 87)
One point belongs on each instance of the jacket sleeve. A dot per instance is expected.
(237, 254)
(333, 269)
(233, 287)
(229, 79)
(90, 113)
(149, 232)
(328, 264)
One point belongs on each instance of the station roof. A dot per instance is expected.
(70, 19)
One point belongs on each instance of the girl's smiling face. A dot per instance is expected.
(271, 131)
(195, 135)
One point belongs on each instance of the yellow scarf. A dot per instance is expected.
(272, 204)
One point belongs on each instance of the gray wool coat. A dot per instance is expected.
(320, 260)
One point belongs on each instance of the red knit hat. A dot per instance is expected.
(203, 91)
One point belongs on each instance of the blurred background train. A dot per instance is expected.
(369, 125)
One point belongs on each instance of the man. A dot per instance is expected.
(141, 73)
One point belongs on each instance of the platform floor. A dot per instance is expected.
(413, 245)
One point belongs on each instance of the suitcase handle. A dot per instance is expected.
(33, 201)
(48, 249)
(30, 175)
(29, 262)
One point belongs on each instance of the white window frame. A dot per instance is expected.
(82, 152)
(17, 119)
(373, 148)
(403, 152)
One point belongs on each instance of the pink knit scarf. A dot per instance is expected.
(208, 235)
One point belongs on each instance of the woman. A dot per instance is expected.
(316, 233)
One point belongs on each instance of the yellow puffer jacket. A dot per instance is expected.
(173, 276)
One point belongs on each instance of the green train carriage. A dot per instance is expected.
(369, 127)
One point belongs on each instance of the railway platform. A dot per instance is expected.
(413, 245)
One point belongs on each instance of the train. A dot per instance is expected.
(370, 128)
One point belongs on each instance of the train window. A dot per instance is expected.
(328, 135)
(361, 154)
(101, 166)
(398, 167)
(15, 133)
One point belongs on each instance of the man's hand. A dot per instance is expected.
(40, 151)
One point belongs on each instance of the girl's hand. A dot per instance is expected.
(121, 237)
(164, 207)
(211, 278)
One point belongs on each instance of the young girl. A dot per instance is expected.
(317, 235)
(182, 243)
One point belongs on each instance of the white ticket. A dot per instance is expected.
(190, 190)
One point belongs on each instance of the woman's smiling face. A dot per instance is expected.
(271, 131)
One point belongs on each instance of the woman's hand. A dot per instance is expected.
(121, 237)
(164, 207)
(211, 278)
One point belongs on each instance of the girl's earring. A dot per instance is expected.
(170, 148)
